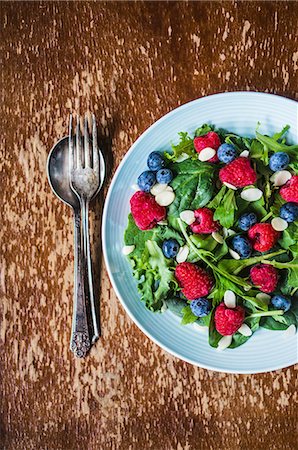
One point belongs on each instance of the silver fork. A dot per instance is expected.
(84, 176)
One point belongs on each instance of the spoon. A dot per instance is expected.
(58, 176)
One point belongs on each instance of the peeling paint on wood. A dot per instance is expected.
(130, 63)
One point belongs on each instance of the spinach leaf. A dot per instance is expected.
(176, 305)
(279, 322)
(193, 186)
(292, 267)
(275, 146)
(214, 336)
(235, 267)
(241, 143)
(134, 236)
(239, 339)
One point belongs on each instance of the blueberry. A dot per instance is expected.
(279, 161)
(289, 212)
(200, 307)
(155, 161)
(247, 220)
(281, 302)
(170, 248)
(164, 176)
(241, 245)
(146, 180)
(226, 153)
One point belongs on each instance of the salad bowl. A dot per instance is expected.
(240, 113)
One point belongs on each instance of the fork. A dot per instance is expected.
(84, 176)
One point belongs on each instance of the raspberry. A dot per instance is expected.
(265, 277)
(145, 211)
(194, 281)
(289, 191)
(239, 173)
(204, 223)
(228, 321)
(210, 139)
(263, 236)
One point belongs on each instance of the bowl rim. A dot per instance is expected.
(105, 220)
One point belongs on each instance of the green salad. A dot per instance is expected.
(212, 234)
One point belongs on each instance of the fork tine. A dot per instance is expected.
(72, 162)
(79, 145)
(86, 143)
(94, 145)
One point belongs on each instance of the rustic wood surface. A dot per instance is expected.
(130, 63)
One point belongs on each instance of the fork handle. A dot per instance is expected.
(80, 337)
(87, 252)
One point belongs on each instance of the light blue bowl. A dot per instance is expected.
(239, 112)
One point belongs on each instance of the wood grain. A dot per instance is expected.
(130, 63)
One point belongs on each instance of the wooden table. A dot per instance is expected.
(130, 63)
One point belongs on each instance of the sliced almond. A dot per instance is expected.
(279, 224)
(244, 154)
(230, 299)
(135, 187)
(263, 297)
(169, 189)
(182, 157)
(281, 177)
(247, 288)
(206, 154)
(234, 254)
(218, 237)
(290, 332)
(164, 307)
(165, 198)
(128, 249)
(188, 216)
(251, 194)
(162, 222)
(230, 186)
(245, 330)
(224, 343)
(182, 254)
(231, 232)
(158, 188)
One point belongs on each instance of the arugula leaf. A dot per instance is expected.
(204, 129)
(193, 186)
(257, 151)
(188, 316)
(279, 135)
(273, 145)
(165, 232)
(163, 273)
(225, 212)
(292, 267)
(235, 267)
(134, 236)
(241, 143)
(184, 147)
(216, 201)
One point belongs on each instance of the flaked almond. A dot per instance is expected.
(165, 198)
(263, 297)
(135, 187)
(162, 222)
(281, 177)
(234, 254)
(245, 330)
(169, 189)
(206, 154)
(218, 237)
(251, 194)
(182, 157)
(290, 332)
(158, 188)
(279, 224)
(230, 299)
(188, 216)
(244, 154)
(182, 254)
(128, 249)
(230, 186)
(224, 343)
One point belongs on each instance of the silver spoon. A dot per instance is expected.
(58, 176)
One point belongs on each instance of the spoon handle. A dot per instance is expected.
(87, 253)
(80, 338)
